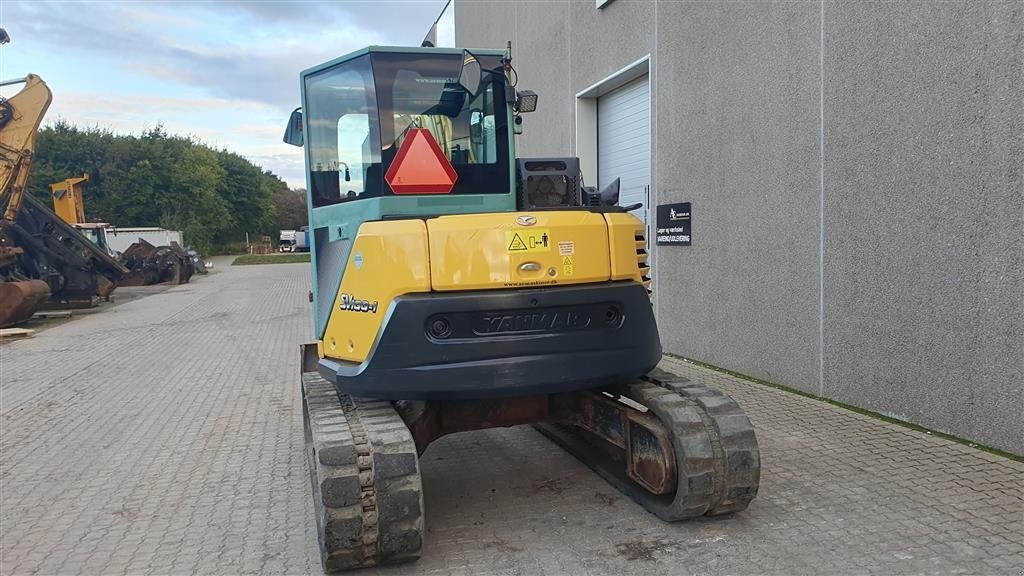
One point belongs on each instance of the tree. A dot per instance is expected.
(158, 179)
(291, 209)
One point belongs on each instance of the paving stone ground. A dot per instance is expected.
(163, 436)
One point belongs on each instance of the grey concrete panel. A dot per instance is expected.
(539, 31)
(484, 24)
(924, 297)
(607, 40)
(541, 56)
(738, 93)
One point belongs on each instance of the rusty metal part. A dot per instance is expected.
(9, 255)
(104, 287)
(19, 300)
(310, 357)
(134, 259)
(717, 462)
(148, 264)
(650, 459)
(680, 449)
(55, 252)
(430, 420)
(633, 437)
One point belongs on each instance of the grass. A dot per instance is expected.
(284, 258)
(856, 409)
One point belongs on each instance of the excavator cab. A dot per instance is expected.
(445, 301)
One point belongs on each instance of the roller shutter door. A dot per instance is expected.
(624, 142)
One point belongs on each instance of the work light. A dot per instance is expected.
(526, 100)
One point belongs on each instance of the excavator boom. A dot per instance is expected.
(20, 117)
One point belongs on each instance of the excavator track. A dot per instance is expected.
(364, 470)
(717, 460)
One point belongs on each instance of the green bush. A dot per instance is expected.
(213, 196)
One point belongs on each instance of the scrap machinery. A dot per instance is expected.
(41, 256)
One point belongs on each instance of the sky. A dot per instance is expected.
(226, 72)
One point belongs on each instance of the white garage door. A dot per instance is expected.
(624, 142)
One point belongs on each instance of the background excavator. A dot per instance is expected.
(41, 256)
(456, 288)
(145, 263)
(69, 206)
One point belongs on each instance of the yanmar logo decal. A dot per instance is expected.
(555, 321)
(350, 302)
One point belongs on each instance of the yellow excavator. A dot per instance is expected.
(457, 288)
(41, 256)
(69, 206)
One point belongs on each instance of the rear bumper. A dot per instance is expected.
(486, 344)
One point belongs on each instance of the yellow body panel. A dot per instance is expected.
(475, 252)
(67, 199)
(628, 246)
(494, 251)
(387, 259)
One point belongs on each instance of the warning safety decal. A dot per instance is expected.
(523, 241)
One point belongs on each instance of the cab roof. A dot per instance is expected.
(398, 50)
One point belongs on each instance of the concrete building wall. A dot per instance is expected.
(924, 147)
(738, 117)
(544, 63)
(856, 178)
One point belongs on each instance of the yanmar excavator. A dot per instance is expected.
(451, 294)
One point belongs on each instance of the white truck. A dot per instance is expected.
(287, 241)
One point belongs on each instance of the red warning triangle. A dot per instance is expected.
(420, 166)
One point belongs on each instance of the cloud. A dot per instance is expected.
(226, 72)
(237, 50)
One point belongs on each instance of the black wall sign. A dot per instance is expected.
(673, 224)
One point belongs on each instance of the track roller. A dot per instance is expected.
(367, 494)
(711, 446)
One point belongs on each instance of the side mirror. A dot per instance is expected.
(610, 193)
(471, 75)
(293, 132)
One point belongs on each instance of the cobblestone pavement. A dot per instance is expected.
(164, 436)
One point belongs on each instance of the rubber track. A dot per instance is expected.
(367, 494)
(740, 458)
(717, 458)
